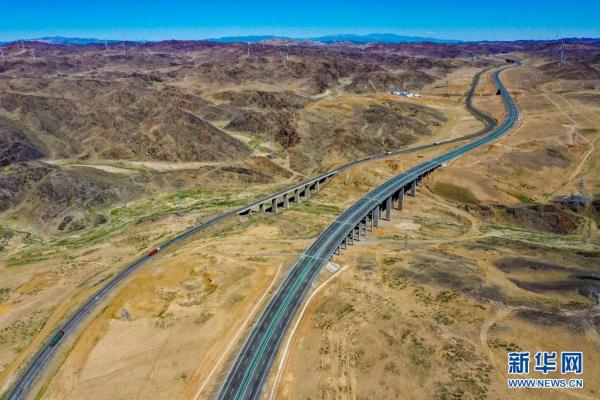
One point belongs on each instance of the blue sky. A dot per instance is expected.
(155, 20)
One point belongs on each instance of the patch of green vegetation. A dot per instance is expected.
(390, 260)
(5, 233)
(25, 258)
(317, 208)
(446, 295)
(4, 293)
(457, 349)
(522, 198)
(455, 193)
(542, 239)
(422, 295)
(158, 86)
(257, 144)
(397, 277)
(430, 225)
(496, 343)
(443, 318)
(420, 353)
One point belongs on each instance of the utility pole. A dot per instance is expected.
(124, 49)
(106, 46)
(248, 49)
(581, 187)
(287, 51)
(574, 137)
(33, 54)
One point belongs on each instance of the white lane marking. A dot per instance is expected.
(293, 331)
(237, 334)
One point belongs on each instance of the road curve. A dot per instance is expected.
(246, 378)
(41, 359)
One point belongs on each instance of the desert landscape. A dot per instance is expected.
(109, 151)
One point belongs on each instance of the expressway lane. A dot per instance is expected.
(42, 357)
(248, 373)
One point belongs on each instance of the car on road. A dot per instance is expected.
(56, 338)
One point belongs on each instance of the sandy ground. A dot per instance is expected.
(425, 312)
(145, 330)
(155, 327)
(130, 167)
(161, 334)
(416, 322)
(542, 157)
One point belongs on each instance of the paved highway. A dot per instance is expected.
(39, 361)
(250, 369)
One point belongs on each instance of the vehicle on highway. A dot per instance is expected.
(56, 338)
(41, 359)
(250, 370)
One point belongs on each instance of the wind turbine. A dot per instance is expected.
(106, 46)
(287, 50)
(2, 53)
(248, 49)
(33, 54)
(562, 50)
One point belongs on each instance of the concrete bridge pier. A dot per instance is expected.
(307, 191)
(274, 206)
(317, 187)
(400, 199)
(286, 200)
(376, 216)
(296, 196)
(263, 208)
(388, 209)
(413, 188)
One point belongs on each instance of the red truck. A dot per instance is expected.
(154, 252)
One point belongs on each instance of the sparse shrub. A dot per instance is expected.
(443, 318)
(390, 260)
